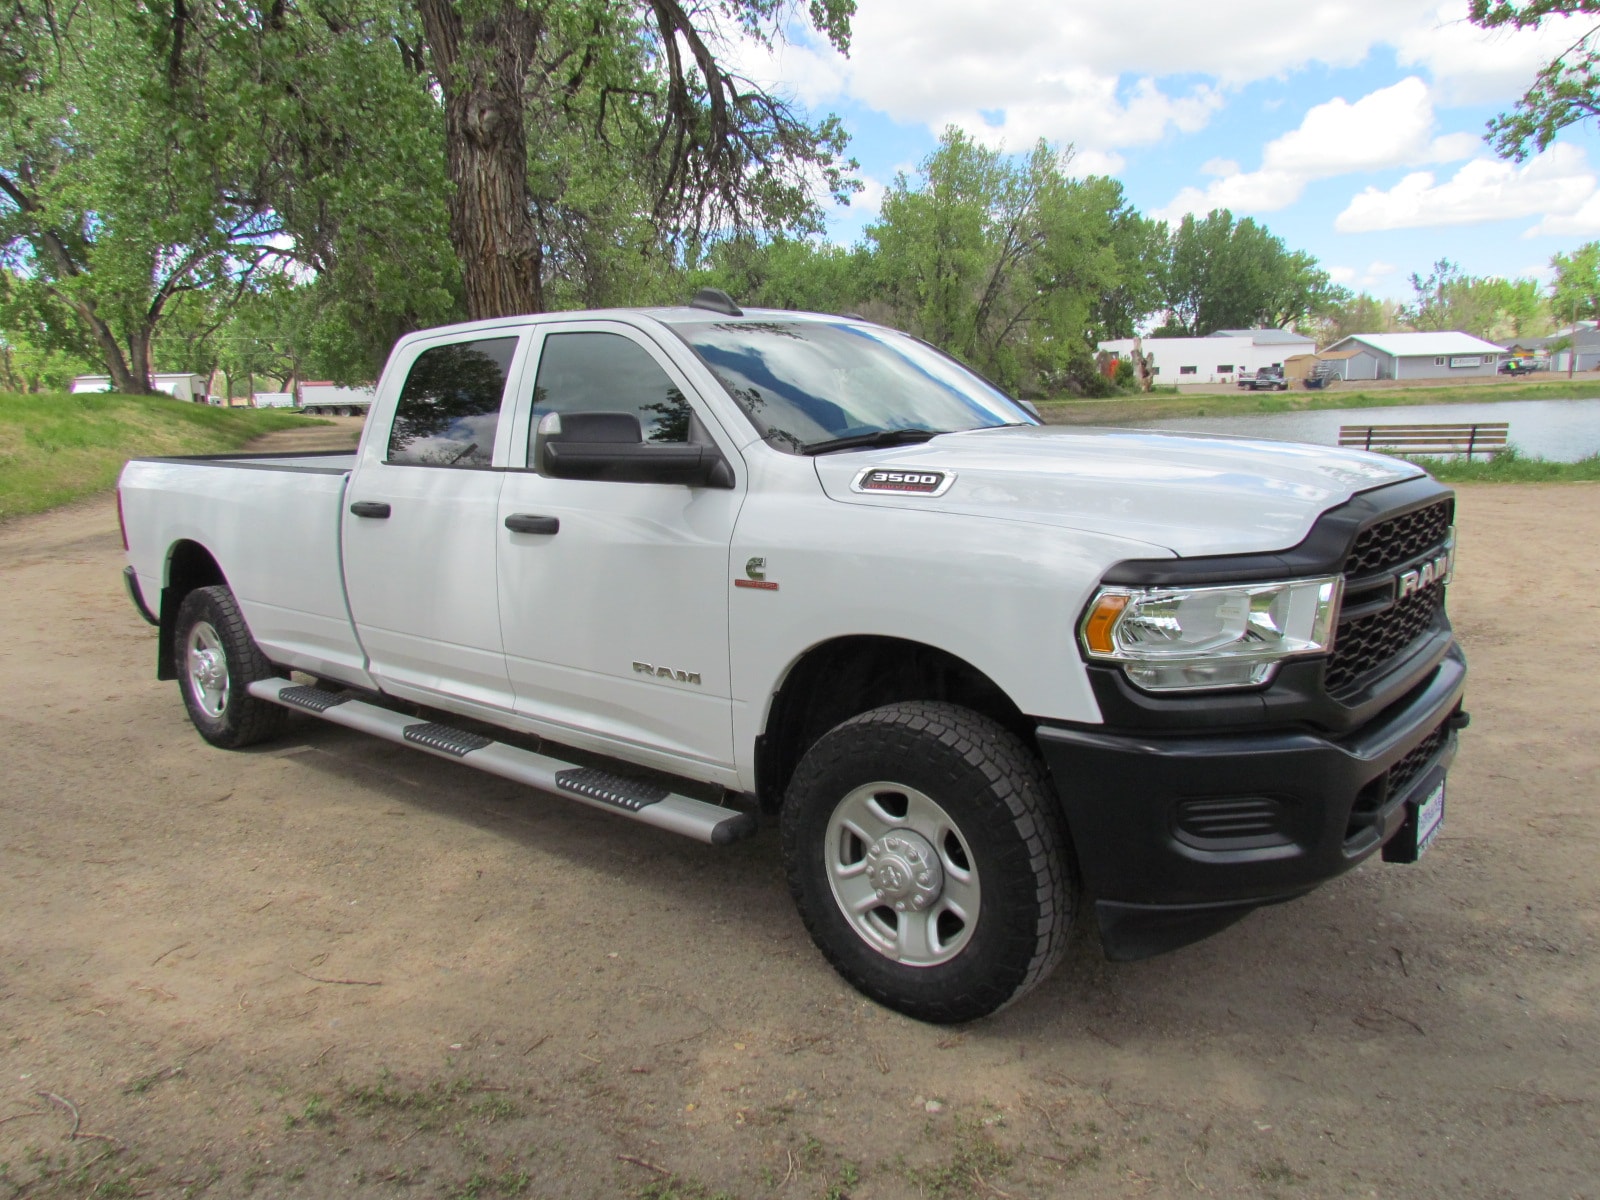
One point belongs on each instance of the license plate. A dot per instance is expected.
(1430, 815)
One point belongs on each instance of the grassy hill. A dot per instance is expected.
(55, 447)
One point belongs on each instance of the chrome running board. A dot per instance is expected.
(637, 799)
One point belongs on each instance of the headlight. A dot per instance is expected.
(1186, 639)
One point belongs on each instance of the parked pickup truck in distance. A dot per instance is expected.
(699, 567)
(1267, 379)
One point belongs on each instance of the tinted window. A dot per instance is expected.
(605, 372)
(450, 405)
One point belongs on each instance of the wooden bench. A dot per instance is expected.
(1487, 438)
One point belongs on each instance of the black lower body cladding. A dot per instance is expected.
(1180, 835)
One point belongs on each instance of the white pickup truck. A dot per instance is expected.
(695, 566)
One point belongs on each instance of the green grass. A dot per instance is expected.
(1123, 409)
(1512, 467)
(55, 448)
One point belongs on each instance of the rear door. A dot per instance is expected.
(420, 531)
(615, 622)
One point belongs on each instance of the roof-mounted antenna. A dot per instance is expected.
(716, 300)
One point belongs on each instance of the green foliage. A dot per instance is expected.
(1342, 314)
(1512, 467)
(1491, 308)
(1009, 264)
(1219, 273)
(1575, 294)
(1566, 90)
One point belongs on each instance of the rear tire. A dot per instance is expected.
(216, 660)
(926, 852)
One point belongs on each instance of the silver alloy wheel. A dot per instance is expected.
(208, 669)
(902, 874)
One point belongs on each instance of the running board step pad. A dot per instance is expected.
(644, 802)
(312, 699)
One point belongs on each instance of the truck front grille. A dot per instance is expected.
(1399, 539)
(1365, 646)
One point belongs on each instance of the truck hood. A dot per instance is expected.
(1194, 494)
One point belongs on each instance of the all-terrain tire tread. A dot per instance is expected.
(251, 720)
(1016, 780)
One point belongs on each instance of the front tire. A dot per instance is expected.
(216, 660)
(928, 858)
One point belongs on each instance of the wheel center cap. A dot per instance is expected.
(209, 671)
(905, 871)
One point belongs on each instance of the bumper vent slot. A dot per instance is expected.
(1235, 823)
(1375, 799)
(1413, 764)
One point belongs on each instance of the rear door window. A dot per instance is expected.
(449, 407)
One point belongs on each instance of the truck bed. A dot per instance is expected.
(255, 514)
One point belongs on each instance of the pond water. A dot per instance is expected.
(1559, 430)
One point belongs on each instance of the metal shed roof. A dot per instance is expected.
(1411, 345)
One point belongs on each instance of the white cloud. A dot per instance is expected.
(1390, 127)
(1090, 75)
(1582, 221)
(1473, 66)
(1376, 275)
(1081, 73)
(1558, 183)
(1096, 162)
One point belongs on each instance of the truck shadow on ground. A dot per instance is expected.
(1381, 953)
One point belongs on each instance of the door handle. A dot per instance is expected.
(370, 508)
(530, 523)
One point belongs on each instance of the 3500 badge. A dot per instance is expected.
(913, 483)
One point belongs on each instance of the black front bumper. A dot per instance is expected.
(1178, 836)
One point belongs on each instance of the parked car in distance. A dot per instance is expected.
(1518, 366)
(1268, 379)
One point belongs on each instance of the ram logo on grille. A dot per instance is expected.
(1429, 573)
(915, 483)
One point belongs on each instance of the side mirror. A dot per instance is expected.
(610, 447)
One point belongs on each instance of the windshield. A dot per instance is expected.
(806, 384)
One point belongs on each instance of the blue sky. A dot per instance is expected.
(1352, 129)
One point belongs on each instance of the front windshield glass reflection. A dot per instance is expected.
(806, 383)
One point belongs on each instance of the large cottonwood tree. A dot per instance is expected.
(529, 86)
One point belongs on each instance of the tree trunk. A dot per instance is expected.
(125, 381)
(139, 360)
(482, 68)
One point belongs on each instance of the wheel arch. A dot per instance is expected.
(188, 566)
(843, 677)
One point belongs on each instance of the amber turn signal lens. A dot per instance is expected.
(1102, 619)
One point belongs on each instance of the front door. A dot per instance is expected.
(616, 623)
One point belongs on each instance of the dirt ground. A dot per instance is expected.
(332, 967)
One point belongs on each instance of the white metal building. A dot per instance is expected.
(1448, 355)
(1219, 358)
(182, 386)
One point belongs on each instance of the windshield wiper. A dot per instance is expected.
(880, 437)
